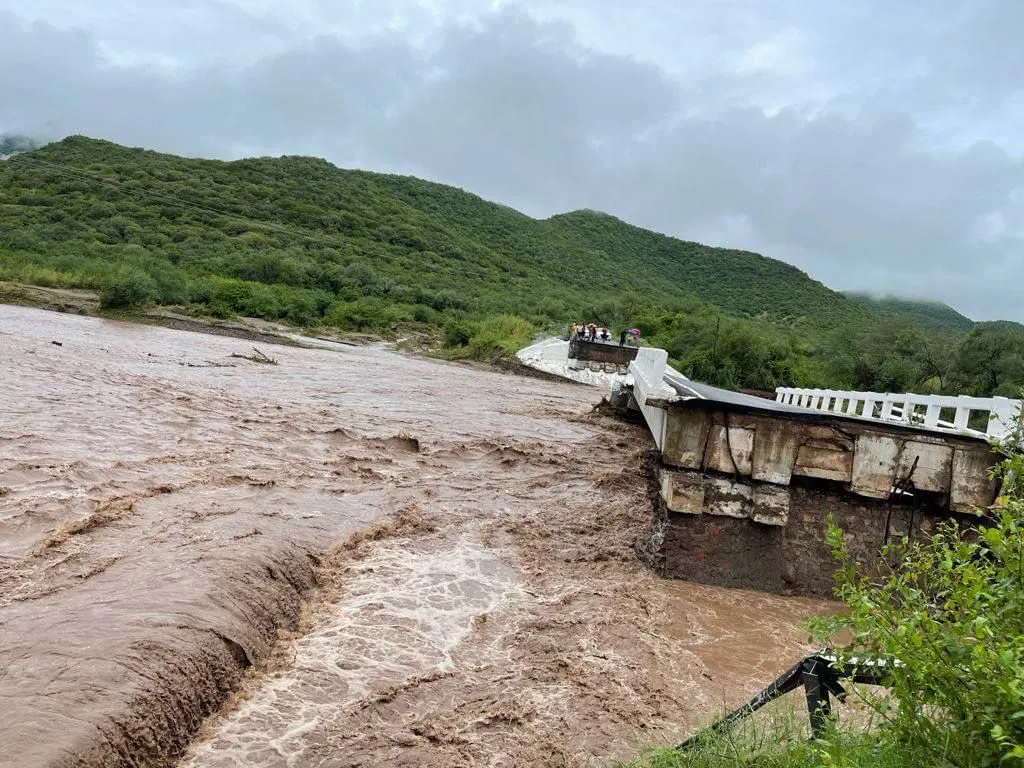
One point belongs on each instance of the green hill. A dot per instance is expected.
(299, 240)
(84, 207)
(929, 314)
(739, 282)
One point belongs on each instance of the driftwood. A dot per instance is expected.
(259, 357)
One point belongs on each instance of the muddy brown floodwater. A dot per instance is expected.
(350, 558)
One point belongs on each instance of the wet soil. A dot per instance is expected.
(349, 558)
(82, 302)
(55, 299)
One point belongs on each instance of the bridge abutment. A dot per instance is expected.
(712, 529)
(742, 497)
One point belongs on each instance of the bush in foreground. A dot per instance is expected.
(128, 288)
(487, 340)
(950, 616)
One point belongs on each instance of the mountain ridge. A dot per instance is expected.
(929, 313)
(300, 240)
(676, 270)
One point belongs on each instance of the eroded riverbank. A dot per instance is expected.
(169, 509)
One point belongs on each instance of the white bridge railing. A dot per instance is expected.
(994, 417)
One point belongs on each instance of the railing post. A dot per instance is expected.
(907, 415)
(816, 690)
(1002, 418)
(963, 415)
(869, 406)
(886, 414)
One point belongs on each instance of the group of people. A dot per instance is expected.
(591, 332)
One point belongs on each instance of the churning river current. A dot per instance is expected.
(351, 557)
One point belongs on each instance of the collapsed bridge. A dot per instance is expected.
(745, 485)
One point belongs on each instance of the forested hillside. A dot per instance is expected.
(739, 282)
(928, 314)
(302, 223)
(299, 240)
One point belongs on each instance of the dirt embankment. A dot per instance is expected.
(53, 299)
(351, 558)
(78, 302)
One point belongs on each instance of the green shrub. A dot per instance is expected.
(128, 288)
(171, 286)
(457, 333)
(44, 276)
(367, 314)
(424, 314)
(301, 310)
(952, 613)
(498, 337)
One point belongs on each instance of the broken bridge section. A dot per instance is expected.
(745, 486)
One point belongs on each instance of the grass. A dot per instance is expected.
(781, 740)
(842, 749)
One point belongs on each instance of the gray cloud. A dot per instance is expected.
(866, 144)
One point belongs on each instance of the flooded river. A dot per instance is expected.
(349, 558)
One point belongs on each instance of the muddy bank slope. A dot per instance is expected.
(165, 508)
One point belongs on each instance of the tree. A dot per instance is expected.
(989, 360)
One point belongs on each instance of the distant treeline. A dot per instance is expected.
(298, 240)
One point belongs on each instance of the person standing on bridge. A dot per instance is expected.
(622, 339)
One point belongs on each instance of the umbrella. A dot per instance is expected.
(634, 331)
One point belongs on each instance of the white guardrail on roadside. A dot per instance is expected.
(954, 413)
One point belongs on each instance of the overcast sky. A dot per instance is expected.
(876, 144)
